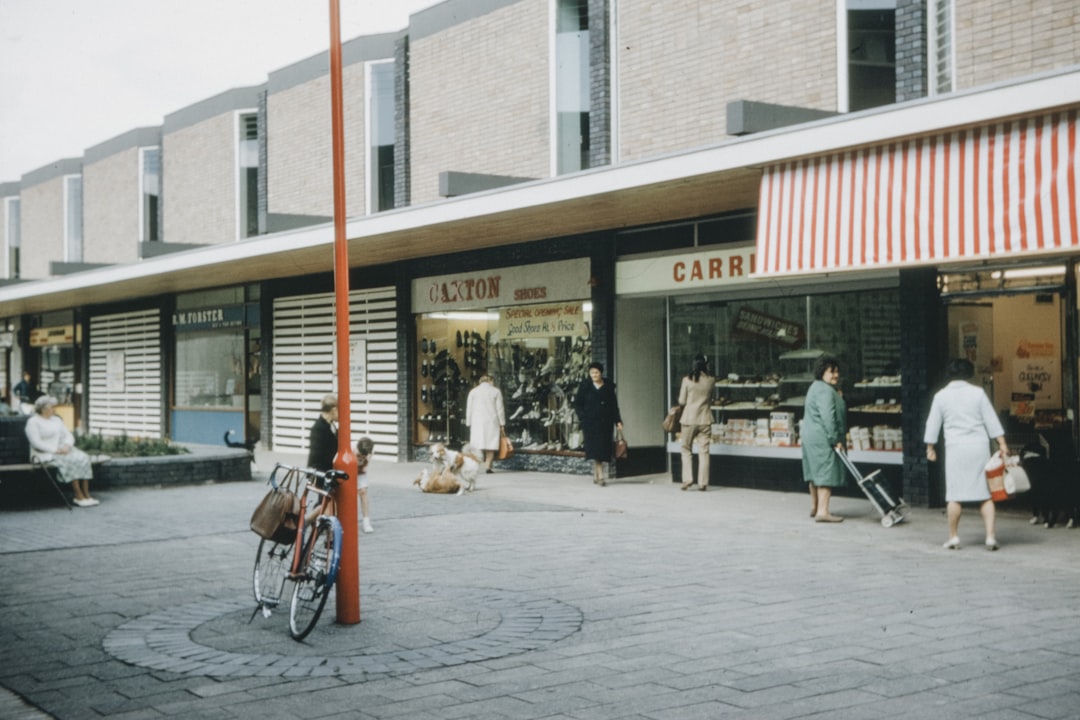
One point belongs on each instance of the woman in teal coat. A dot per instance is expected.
(824, 429)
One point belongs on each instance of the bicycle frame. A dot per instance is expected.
(330, 479)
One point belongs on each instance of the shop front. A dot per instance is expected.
(55, 362)
(762, 339)
(529, 328)
(216, 386)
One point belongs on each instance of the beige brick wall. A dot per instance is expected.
(1001, 39)
(681, 61)
(480, 99)
(111, 209)
(42, 227)
(5, 270)
(199, 182)
(300, 146)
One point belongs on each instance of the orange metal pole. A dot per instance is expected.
(348, 584)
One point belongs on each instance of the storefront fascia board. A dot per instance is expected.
(685, 184)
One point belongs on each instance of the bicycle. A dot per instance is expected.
(310, 558)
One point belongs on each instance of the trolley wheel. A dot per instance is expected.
(887, 520)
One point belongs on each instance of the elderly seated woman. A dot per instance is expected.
(53, 443)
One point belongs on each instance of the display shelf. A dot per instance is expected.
(868, 457)
(808, 354)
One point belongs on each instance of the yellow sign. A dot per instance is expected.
(62, 335)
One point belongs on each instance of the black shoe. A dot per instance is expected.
(459, 338)
(423, 368)
(423, 346)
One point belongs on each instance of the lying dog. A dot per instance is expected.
(440, 482)
(465, 465)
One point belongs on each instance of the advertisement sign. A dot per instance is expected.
(114, 371)
(686, 271)
(61, 335)
(754, 323)
(502, 287)
(542, 321)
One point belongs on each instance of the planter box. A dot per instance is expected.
(203, 464)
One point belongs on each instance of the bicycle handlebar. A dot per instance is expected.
(329, 478)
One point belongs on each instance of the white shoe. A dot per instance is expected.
(992, 544)
(92, 501)
(83, 503)
(952, 543)
(367, 526)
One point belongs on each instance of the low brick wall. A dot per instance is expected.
(203, 464)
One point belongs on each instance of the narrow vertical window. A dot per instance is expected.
(381, 130)
(248, 175)
(73, 219)
(871, 45)
(572, 87)
(940, 34)
(13, 235)
(149, 193)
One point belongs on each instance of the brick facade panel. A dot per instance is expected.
(999, 40)
(300, 147)
(664, 107)
(199, 182)
(111, 209)
(42, 211)
(479, 94)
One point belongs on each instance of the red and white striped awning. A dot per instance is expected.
(1006, 189)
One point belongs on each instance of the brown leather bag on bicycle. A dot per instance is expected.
(277, 515)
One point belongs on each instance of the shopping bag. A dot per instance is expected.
(1005, 478)
(506, 448)
(672, 419)
(620, 448)
(1016, 478)
(276, 516)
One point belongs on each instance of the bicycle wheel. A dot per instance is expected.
(322, 555)
(271, 568)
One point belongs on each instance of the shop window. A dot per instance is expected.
(210, 368)
(763, 350)
(537, 366)
(871, 53)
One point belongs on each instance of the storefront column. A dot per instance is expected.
(923, 351)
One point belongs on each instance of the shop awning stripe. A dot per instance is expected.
(1004, 189)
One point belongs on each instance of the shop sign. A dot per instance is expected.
(542, 321)
(687, 271)
(209, 318)
(61, 335)
(503, 287)
(753, 323)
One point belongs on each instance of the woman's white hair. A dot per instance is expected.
(45, 401)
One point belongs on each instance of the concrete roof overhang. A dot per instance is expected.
(693, 183)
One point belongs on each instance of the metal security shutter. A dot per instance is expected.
(304, 369)
(125, 374)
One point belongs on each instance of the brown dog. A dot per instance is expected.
(439, 482)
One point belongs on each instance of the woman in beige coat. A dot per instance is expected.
(695, 396)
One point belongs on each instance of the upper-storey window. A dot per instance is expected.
(572, 87)
(73, 219)
(149, 194)
(247, 160)
(870, 36)
(940, 25)
(12, 235)
(380, 136)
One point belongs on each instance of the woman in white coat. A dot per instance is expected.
(486, 416)
(967, 416)
(52, 442)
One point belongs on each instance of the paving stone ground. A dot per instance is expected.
(541, 596)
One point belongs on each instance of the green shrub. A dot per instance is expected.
(124, 446)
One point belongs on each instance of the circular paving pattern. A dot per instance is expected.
(404, 628)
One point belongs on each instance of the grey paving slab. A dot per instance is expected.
(541, 596)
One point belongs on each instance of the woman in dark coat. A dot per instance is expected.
(824, 431)
(598, 411)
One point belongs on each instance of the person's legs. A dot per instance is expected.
(824, 494)
(703, 440)
(989, 514)
(599, 472)
(813, 498)
(952, 513)
(366, 521)
(685, 444)
(489, 458)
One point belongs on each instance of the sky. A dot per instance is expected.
(74, 73)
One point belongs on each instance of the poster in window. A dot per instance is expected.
(358, 366)
(114, 371)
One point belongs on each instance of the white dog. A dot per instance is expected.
(464, 465)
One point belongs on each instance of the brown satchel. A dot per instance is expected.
(620, 445)
(276, 516)
(673, 418)
(506, 448)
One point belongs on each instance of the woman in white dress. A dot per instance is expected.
(486, 417)
(53, 443)
(967, 416)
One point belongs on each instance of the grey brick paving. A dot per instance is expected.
(541, 596)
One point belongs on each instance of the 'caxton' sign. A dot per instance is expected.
(502, 287)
